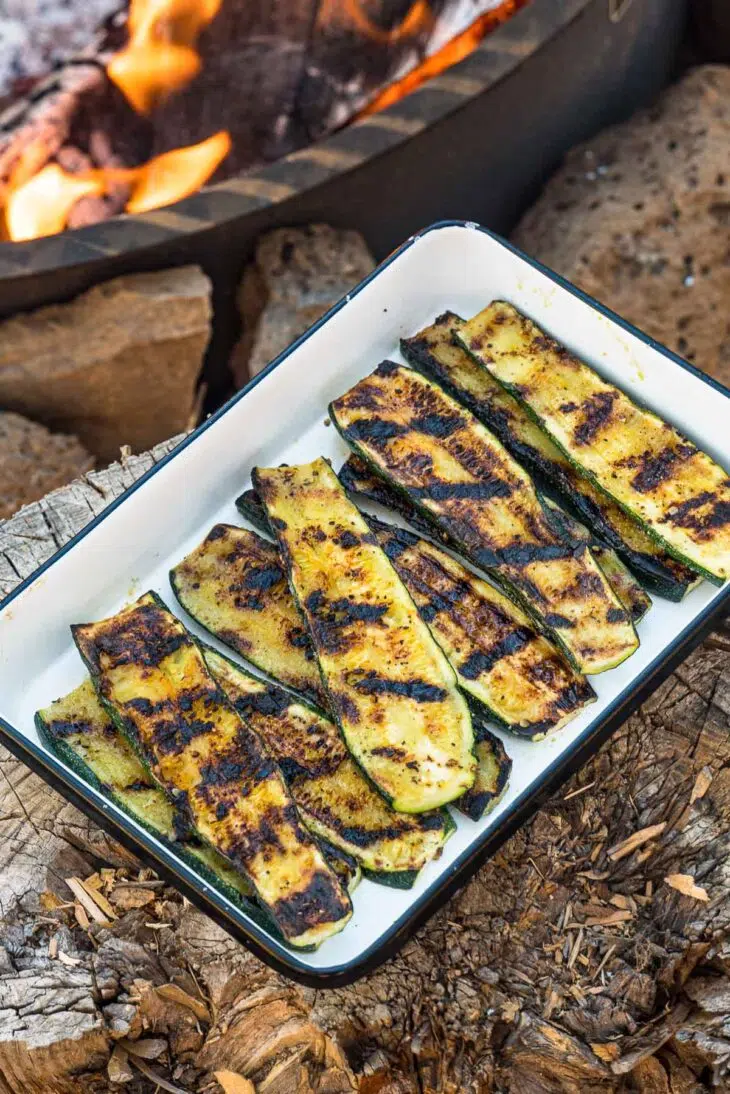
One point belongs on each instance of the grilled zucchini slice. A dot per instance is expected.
(513, 674)
(458, 474)
(391, 688)
(233, 584)
(251, 507)
(493, 770)
(79, 730)
(631, 594)
(437, 353)
(356, 477)
(678, 494)
(151, 676)
(333, 797)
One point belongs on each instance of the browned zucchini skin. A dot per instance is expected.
(670, 581)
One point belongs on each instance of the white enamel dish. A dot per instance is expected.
(280, 417)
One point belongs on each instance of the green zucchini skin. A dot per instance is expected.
(438, 353)
(393, 691)
(151, 677)
(334, 799)
(234, 586)
(424, 444)
(492, 779)
(81, 733)
(677, 494)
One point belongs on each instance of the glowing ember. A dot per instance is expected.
(41, 206)
(160, 57)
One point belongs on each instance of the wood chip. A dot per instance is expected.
(595, 875)
(49, 902)
(162, 1083)
(578, 790)
(98, 897)
(149, 1048)
(701, 786)
(606, 957)
(233, 1083)
(619, 900)
(685, 884)
(609, 920)
(608, 1053)
(53, 947)
(638, 839)
(128, 899)
(173, 993)
(118, 1068)
(84, 898)
(81, 917)
(65, 959)
(576, 948)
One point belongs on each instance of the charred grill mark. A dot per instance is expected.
(521, 555)
(685, 515)
(144, 638)
(375, 431)
(345, 708)
(484, 660)
(262, 578)
(146, 707)
(463, 491)
(61, 728)
(269, 703)
(386, 368)
(346, 539)
(420, 691)
(330, 618)
(174, 735)
(244, 763)
(559, 622)
(437, 425)
(321, 901)
(596, 411)
(389, 752)
(616, 615)
(654, 468)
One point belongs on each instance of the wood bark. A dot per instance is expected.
(568, 965)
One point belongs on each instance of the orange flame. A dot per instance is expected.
(418, 18)
(451, 53)
(41, 206)
(160, 57)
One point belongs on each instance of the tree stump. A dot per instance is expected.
(570, 964)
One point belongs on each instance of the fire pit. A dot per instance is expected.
(475, 141)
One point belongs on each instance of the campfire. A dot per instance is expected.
(174, 92)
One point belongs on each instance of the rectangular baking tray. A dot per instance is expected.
(281, 417)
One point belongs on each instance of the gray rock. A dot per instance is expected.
(297, 274)
(116, 366)
(639, 217)
(34, 461)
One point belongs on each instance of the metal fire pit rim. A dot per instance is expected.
(499, 54)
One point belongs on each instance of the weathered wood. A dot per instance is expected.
(560, 969)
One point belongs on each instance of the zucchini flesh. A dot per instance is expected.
(233, 584)
(459, 475)
(151, 676)
(493, 768)
(631, 594)
(438, 353)
(678, 494)
(334, 799)
(390, 687)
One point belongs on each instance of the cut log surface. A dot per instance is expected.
(568, 965)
